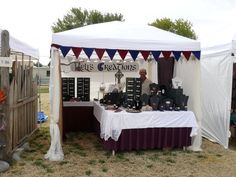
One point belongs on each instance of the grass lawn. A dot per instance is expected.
(44, 89)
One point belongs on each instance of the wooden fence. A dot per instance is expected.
(23, 103)
(19, 112)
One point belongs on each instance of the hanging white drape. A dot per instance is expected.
(55, 152)
(216, 73)
(190, 73)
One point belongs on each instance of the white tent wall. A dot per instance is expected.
(189, 72)
(97, 78)
(216, 91)
(152, 71)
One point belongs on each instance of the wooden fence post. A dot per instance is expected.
(5, 134)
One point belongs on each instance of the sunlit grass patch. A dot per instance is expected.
(92, 162)
(44, 89)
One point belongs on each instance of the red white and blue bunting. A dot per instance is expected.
(133, 53)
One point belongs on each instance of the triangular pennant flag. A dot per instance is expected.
(64, 50)
(134, 54)
(187, 54)
(88, 52)
(166, 54)
(123, 53)
(177, 55)
(111, 53)
(156, 54)
(76, 51)
(197, 54)
(55, 45)
(145, 54)
(100, 53)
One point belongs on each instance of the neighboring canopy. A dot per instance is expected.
(19, 46)
(216, 90)
(125, 37)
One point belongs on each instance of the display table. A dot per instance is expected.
(154, 129)
(77, 116)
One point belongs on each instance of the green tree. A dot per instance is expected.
(180, 26)
(78, 18)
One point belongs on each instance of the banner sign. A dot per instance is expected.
(81, 66)
(5, 62)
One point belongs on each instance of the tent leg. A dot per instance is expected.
(113, 152)
(184, 148)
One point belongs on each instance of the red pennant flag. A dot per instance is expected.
(76, 51)
(123, 53)
(100, 53)
(145, 54)
(55, 45)
(187, 54)
(166, 54)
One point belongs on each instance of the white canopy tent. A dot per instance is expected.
(19, 46)
(123, 37)
(216, 91)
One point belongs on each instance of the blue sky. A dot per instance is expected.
(31, 20)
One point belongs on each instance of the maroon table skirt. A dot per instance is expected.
(148, 138)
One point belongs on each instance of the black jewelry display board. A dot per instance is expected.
(83, 89)
(68, 88)
(69, 91)
(133, 89)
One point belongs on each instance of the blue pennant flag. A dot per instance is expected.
(134, 54)
(88, 52)
(197, 54)
(111, 53)
(156, 54)
(64, 50)
(177, 55)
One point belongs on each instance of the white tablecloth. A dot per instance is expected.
(112, 123)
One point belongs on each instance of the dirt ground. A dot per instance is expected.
(84, 156)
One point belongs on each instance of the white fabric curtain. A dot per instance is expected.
(189, 72)
(55, 152)
(216, 73)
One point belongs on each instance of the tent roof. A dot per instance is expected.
(19, 46)
(126, 36)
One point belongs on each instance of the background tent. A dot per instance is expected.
(107, 39)
(19, 46)
(216, 76)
